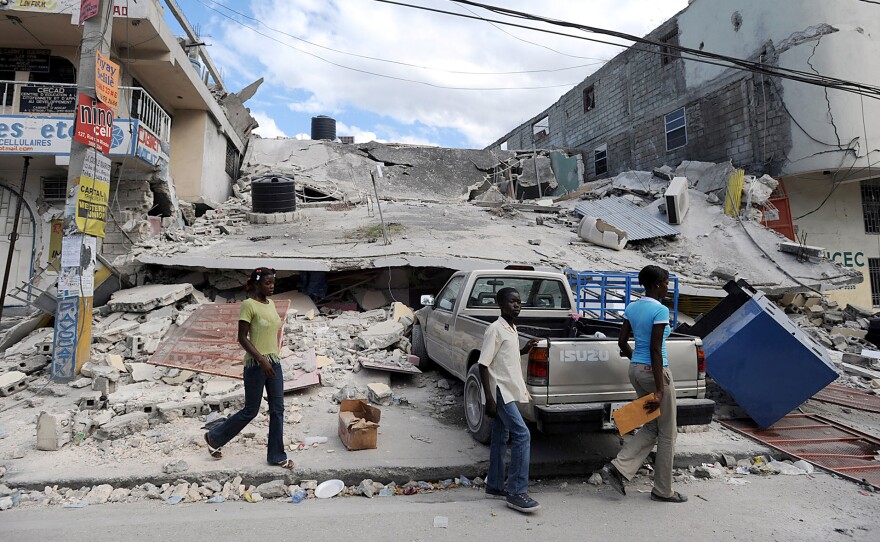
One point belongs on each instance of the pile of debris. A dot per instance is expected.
(216, 491)
(843, 332)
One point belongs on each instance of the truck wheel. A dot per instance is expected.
(479, 425)
(418, 348)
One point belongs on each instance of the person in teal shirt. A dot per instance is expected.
(258, 326)
(648, 320)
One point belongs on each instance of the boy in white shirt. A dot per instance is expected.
(504, 386)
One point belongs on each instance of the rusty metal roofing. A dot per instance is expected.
(623, 214)
(841, 395)
(207, 342)
(823, 442)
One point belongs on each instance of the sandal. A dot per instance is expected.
(676, 497)
(286, 464)
(215, 452)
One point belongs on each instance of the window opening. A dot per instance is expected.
(676, 129)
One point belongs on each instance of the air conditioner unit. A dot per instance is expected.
(677, 200)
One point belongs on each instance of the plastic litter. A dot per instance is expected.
(217, 499)
(77, 504)
(174, 499)
(441, 522)
(328, 489)
(315, 440)
(298, 496)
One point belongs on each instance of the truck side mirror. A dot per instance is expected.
(427, 301)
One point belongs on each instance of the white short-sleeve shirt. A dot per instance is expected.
(501, 356)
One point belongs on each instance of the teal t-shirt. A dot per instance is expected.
(643, 315)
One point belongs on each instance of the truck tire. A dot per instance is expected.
(418, 348)
(479, 425)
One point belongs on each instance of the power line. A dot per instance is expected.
(700, 56)
(514, 36)
(377, 59)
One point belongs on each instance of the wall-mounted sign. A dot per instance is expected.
(45, 6)
(20, 134)
(87, 10)
(24, 60)
(47, 99)
(94, 123)
(132, 9)
(107, 81)
(149, 148)
(97, 166)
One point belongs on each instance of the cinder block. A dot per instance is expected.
(12, 383)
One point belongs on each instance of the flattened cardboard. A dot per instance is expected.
(359, 424)
(634, 415)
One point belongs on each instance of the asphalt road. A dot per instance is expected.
(777, 508)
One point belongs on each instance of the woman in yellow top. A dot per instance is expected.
(258, 325)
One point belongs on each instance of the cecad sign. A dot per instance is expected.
(131, 9)
(52, 135)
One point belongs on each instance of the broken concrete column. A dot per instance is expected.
(47, 432)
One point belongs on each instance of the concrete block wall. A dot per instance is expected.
(130, 202)
(735, 117)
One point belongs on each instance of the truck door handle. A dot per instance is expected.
(446, 327)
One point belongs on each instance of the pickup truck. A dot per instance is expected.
(576, 376)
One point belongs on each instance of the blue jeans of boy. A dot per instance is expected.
(508, 420)
(254, 381)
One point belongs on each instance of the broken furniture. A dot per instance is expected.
(208, 343)
(759, 356)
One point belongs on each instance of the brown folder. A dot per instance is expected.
(634, 415)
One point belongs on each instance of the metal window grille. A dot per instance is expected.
(667, 54)
(871, 205)
(874, 274)
(232, 160)
(54, 188)
(589, 98)
(676, 129)
(600, 160)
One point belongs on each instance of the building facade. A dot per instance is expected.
(172, 141)
(651, 106)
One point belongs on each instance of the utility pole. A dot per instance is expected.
(73, 315)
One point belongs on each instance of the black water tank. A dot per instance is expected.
(273, 194)
(323, 127)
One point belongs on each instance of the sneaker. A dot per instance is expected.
(492, 493)
(612, 477)
(522, 503)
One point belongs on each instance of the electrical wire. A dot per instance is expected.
(376, 74)
(397, 62)
(697, 55)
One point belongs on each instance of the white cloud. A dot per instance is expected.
(267, 127)
(425, 39)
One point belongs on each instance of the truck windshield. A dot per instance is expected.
(536, 293)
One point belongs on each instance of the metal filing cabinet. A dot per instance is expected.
(765, 361)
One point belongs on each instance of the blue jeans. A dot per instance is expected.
(254, 381)
(508, 421)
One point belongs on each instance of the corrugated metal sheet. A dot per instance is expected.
(627, 216)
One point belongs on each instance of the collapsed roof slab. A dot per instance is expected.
(464, 237)
(423, 173)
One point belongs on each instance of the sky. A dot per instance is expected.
(467, 82)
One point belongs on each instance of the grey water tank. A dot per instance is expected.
(273, 194)
(323, 127)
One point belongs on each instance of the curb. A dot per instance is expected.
(400, 475)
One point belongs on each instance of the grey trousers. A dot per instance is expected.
(661, 431)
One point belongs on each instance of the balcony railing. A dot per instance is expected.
(59, 99)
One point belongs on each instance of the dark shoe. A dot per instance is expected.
(612, 477)
(495, 493)
(522, 503)
(676, 497)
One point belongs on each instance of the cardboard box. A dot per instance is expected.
(359, 424)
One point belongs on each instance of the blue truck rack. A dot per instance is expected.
(605, 294)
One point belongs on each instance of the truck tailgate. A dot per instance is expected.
(592, 370)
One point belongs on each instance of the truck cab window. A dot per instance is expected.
(447, 297)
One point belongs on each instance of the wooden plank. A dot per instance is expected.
(585, 189)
